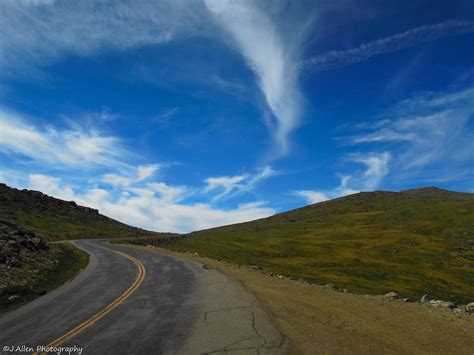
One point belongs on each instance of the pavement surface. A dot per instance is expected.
(134, 301)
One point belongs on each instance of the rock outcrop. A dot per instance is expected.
(56, 219)
(16, 243)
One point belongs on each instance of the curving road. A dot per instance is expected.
(134, 301)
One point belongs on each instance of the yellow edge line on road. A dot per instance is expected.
(89, 322)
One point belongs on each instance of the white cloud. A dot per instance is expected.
(116, 180)
(50, 185)
(67, 147)
(154, 207)
(264, 173)
(144, 172)
(384, 135)
(343, 189)
(133, 175)
(166, 115)
(269, 54)
(377, 167)
(134, 199)
(168, 193)
(239, 183)
(24, 139)
(226, 183)
(37, 32)
(311, 196)
(88, 147)
(430, 128)
(369, 179)
(339, 58)
(104, 115)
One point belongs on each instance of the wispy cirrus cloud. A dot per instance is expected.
(37, 32)
(134, 175)
(166, 115)
(429, 136)
(384, 135)
(226, 184)
(311, 196)
(426, 129)
(146, 171)
(68, 147)
(425, 138)
(116, 180)
(339, 58)
(376, 166)
(229, 185)
(271, 55)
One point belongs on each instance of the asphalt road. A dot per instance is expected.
(134, 301)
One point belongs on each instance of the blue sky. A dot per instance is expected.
(183, 115)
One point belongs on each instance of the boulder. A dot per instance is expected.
(442, 304)
(469, 308)
(392, 295)
(426, 298)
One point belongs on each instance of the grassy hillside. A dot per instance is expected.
(57, 219)
(30, 267)
(413, 242)
(44, 272)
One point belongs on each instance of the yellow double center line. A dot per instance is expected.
(92, 320)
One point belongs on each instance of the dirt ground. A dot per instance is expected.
(320, 320)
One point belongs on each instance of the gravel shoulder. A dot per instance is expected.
(320, 320)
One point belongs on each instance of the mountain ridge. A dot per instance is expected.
(57, 219)
(438, 192)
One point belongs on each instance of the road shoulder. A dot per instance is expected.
(231, 319)
(318, 319)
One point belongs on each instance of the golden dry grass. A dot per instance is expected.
(412, 243)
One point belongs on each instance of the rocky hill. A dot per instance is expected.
(56, 219)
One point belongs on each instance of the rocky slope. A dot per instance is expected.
(24, 256)
(17, 244)
(29, 266)
(56, 219)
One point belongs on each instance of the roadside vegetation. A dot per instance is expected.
(47, 270)
(413, 242)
